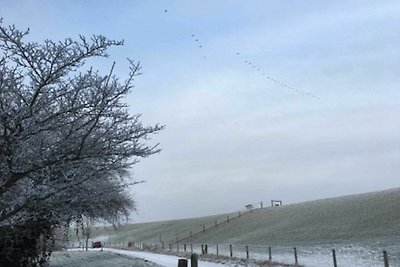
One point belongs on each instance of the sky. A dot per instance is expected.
(287, 100)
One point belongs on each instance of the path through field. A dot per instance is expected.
(164, 260)
(79, 258)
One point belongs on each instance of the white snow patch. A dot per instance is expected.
(164, 260)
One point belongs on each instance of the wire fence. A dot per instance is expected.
(189, 235)
(310, 256)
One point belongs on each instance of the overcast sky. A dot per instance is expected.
(315, 114)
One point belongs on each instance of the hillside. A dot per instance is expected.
(154, 232)
(351, 218)
(356, 218)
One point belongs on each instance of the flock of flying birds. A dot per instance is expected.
(258, 69)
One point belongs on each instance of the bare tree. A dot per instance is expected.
(66, 138)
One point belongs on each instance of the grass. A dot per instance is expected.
(370, 216)
(353, 218)
(154, 232)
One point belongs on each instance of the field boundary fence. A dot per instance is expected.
(287, 255)
(189, 235)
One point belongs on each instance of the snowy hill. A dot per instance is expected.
(355, 218)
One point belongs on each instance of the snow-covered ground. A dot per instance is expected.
(172, 260)
(362, 254)
(95, 259)
(162, 259)
(353, 255)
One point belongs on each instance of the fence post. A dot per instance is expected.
(262, 206)
(295, 256)
(182, 262)
(334, 258)
(269, 253)
(230, 250)
(247, 251)
(191, 248)
(217, 250)
(170, 247)
(206, 248)
(194, 260)
(385, 259)
(177, 246)
(202, 249)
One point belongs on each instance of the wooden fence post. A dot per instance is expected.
(262, 206)
(334, 258)
(295, 256)
(194, 260)
(385, 259)
(170, 247)
(217, 250)
(184, 247)
(230, 250)
(269, 253)
(247, 252)
(191, 248)
(182, 262)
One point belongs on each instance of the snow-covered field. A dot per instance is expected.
(350, 256)
(355, 255)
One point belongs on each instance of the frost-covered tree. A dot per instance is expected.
(66, 141)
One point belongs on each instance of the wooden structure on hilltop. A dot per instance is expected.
(276, 203)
